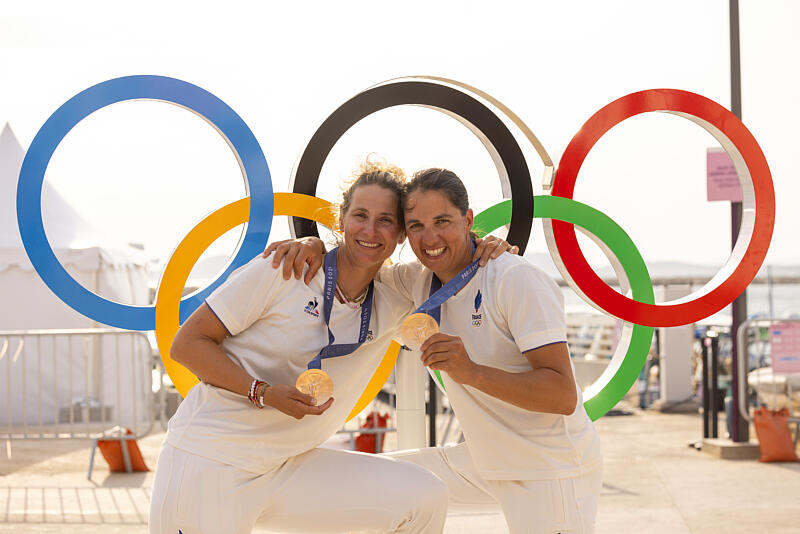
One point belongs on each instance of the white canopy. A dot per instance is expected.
(26, 303)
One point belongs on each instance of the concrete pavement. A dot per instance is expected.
(653, 483)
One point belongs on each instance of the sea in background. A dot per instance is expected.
(782, 301)
(775, 292)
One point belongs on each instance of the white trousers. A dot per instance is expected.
(566, 506)
(322, 490)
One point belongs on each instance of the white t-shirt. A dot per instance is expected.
(507, 308)
(276, 328)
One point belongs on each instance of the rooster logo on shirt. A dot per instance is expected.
(311, 308)
(477, 317)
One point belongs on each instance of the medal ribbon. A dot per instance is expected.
(439, 294)
(342, 349)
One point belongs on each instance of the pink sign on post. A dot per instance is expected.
(785, 347)
(721, 178)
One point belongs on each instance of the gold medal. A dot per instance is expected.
(317, 383)
(417, 328)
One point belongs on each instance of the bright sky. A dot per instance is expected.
(147, 171)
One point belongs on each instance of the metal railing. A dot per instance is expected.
(776, 389)
(75, 384)
(592, 336)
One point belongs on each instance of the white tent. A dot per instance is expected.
(31, 391)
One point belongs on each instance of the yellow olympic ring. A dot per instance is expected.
(190, 249)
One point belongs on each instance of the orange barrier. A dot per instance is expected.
(772, 429)
(366, 442)
(111, 449)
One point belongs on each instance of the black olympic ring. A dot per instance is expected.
(482, 121)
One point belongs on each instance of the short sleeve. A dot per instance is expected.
(399, 277)
(245, 296)
(533, 307)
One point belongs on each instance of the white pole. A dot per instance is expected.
(411, 379)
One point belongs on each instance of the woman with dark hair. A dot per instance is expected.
(529, 445)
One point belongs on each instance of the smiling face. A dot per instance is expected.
(371, 225)
(438, 233)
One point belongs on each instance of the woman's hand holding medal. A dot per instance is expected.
(289, 400)
(443, 352)
(317, 383)
(440, 352)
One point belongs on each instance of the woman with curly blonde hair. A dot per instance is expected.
(244, 446)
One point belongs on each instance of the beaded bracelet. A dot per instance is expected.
(260, 394)
(256, 393)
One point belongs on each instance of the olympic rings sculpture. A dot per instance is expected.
(483, 115)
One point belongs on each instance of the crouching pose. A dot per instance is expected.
(243, 446)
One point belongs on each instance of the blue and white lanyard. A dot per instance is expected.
(342, 349)
(439, 294)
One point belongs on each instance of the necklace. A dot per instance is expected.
(354, 303)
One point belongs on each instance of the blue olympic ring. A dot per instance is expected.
(31, 178)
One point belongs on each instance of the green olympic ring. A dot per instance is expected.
(628, 360)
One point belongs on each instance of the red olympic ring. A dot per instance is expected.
(758, 219)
